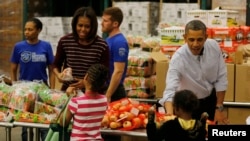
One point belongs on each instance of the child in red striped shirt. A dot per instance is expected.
(88, 109)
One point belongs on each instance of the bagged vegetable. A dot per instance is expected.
(53, 97)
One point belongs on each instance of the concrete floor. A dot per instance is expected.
(15, 134)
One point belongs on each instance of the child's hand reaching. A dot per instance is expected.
(204, 117)
(71, 91)
(151, 115)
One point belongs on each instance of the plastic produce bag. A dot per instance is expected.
(53, 97)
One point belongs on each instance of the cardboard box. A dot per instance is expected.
(230, 77)
(172, 36)
(176, 13)
(160, 68)
(242, 83)
(238, 115)
(222, 18)
(137, 17)
(238, 5)
(197, 14)
(169, 50)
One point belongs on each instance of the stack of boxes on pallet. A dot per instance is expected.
(171, 39)
(214, 18)
(236, 5)
(146, 74)
(173, 18)
(238, 71)
(139, 82)
(54, 28)
(238, 91)
(176, 13)
(140, 18)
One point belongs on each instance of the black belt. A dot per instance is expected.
(213, 92)
(205, 99)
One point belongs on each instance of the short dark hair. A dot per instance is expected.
(115, 13)
(37, 22)
(185, 100)
(97, 76)
(89, 13)
(195, 25)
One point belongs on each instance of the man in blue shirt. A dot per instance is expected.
(119, 50)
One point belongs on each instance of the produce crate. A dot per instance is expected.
(222, 18)
(197, 15)
(172, 36)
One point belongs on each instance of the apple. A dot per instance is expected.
(122, 108)
(136, 122)
(145, 122)
(142, 116)
(105, 121)
(116, 106)
(115, 113)
(113, 125)
(122, 115)
(129, 106)
(140, 108)
(113, 118)
(129, 115)
(119, 124)
(127, 124)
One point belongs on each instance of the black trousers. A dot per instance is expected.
(119, 93)
(208, 105)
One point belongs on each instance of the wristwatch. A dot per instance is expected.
(220, 108)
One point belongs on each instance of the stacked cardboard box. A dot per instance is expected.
(214, 18)
(160, 68)
(176, 13)
(146, 74)
(237, 5)
(229, 97)
(54, 28)
(242, 83)
(140, 18)
(238, 115)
